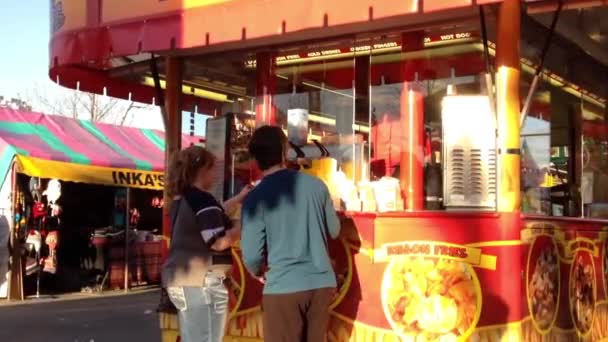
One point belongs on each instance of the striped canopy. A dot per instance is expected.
(51, 146)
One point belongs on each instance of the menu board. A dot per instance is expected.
(217, 142)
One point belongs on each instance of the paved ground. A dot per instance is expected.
(120, 318)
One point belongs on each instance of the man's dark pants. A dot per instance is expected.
(297, 317)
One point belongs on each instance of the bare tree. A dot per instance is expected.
(15, 104)
(82, 105)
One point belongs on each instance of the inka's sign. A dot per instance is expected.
(138, 179)
(433, 249)
(91, 174)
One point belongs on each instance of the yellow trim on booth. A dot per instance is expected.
(91, 174)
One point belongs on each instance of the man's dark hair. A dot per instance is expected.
(267, 146)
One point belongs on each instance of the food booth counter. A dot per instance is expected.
(453, 201)
(457, 276)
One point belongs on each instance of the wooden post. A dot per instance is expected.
(508, 105)
(173, 126)
(172, 117)
(127, 227)
(15, 285)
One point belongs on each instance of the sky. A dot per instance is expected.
(24, 37)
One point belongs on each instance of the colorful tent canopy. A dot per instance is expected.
(50, 146)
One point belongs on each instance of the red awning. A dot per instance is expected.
(89, 35)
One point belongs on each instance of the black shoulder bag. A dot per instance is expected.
(165, 305)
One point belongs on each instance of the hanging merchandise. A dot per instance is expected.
(134, 217)
(39, 210)
(55, 210)
(20, 217)
(19, 212)
(17, 217)
(50, 262)
(33, 241)
(156, 201)
(53, 193)
(34, 186)
(120, 206)
(33, 245)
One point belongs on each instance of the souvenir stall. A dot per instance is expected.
(71, 198)
(450, 135)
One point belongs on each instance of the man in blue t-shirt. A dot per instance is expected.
(286, 222)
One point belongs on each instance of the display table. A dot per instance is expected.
(453, 277)
(145, 260)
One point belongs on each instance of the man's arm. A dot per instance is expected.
(331, 218)
(253, 239)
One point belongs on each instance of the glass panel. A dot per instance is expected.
(410, 75)
(229, 79)
(315, 84)
(572, 102)
(537, 172)
(374, 105)
(315, 104)
(594, 180)
(552, 151)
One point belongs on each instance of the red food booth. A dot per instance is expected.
(462, 141)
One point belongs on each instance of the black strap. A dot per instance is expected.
(174, 218)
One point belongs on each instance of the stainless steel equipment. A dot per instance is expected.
(469, 153)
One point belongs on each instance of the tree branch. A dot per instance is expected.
(79, 104)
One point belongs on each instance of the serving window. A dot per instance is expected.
(412, 89)
(564, 136)
(564, 155)
(366, 113)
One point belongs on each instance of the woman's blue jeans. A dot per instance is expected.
(202, 310)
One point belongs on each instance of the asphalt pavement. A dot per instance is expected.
(120, 318)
